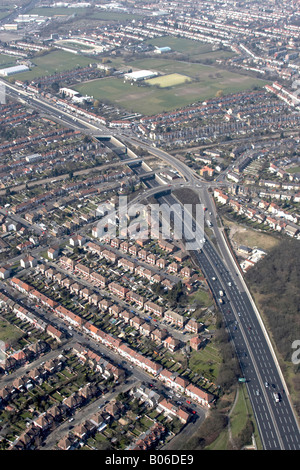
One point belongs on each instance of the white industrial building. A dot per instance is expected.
(140, 75)
(12, 70)
(11, 27)
(161, 50)
(69, 92)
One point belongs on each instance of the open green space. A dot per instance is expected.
(240, 235)
(3, 14)
(57, 11)
(294, 169)
(182, 45)
(206, 362)
(195, 50)
(91, 13)
(9, 333)
(207, 81)
(76, 45)
(241, 414)
(7, 60)
(55, 62)
(201, 298)
(5, 9)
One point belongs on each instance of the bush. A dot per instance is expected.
(208, 431)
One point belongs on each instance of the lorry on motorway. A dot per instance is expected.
(276, 397)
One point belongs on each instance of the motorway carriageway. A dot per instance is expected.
(276, 422)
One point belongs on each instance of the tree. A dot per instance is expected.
(177, 294)
(55, 87)
(207, 432)
(87, 139)
(244, 437)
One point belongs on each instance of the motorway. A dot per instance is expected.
(277, 422)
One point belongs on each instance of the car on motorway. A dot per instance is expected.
(257, 393)
(266, 384)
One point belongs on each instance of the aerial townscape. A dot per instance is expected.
(149, 226)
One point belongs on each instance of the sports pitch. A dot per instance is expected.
(169, 80)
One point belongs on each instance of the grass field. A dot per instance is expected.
(76, 45)
(196, 50)
(246, 236)
(3, 14)
(7, 60)
(181, 45)
(295, 169)
(9, 333)
(5, 9)
(84, 12)
(202, 297)
(57, 11)
(172, 79)
(56, 61)
(206, 362)
(240, 413)
(207, 81)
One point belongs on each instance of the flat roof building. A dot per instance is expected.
(161, 50)
(12, 70)
(140, 75)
